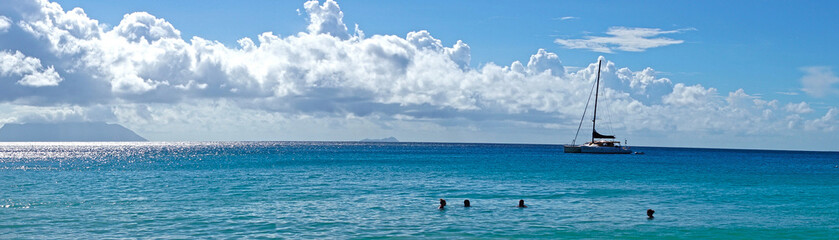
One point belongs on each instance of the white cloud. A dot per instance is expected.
(46, 78)
(624, 39)
(567, 18)
(460, 53)
(66, 31)
(30, 70)
(689, 95)
(827, 123)
(800, 108)
(143, 26)
(819, 81)
(643, 85)
(788, 93)
(545, 61)
(326, 19)
(5, 24)
(740, 98)
(96, 113)
(147, 75)
(17, 64)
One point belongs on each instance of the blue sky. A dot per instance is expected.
(774, 51)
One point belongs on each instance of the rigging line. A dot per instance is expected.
(574, 142)
(609, 111)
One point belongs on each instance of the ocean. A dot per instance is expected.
(305, 190)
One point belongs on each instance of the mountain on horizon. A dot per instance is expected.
(67, 132)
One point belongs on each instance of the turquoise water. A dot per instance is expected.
(370, 190)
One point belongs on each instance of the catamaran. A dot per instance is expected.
(602, 144)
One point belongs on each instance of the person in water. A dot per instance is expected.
(466, 203)
(521, 204)
(650, 213)
(442, 204)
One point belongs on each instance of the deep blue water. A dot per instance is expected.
(363, 190)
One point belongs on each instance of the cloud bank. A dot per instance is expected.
(142, 73)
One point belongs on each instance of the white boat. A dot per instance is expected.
(599, 144)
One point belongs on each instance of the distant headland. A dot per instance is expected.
(388, 139)
(67, 132)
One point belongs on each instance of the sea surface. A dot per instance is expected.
(339, 190)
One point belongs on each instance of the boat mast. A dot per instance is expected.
(596, 92)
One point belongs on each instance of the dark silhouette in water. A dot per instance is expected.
(442, 204)
(466, 203)
(521, 204)
(650, 213)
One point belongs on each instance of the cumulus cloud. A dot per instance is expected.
(740, 98)
(32, 73)
(460, 53)
(624, 39)
(689, 95)
(643, 85)
(819, 81)
(17, 64)
(145, 74)
(799, 108)
(827, 123)
(67, 32)
(326, 19)
(46, 78)
(545, 61)
(142, 26)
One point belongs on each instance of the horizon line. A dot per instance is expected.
(399, 142)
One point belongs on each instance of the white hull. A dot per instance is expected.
(604, 150)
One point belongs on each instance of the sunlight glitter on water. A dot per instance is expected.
(348, 190)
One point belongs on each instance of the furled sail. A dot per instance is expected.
(596, 134)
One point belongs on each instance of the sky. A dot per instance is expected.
(676, 73)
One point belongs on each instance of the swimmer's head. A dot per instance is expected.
(466, 203)
(650, 213)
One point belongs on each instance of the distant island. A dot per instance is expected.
(67, 132)
(388, 139)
